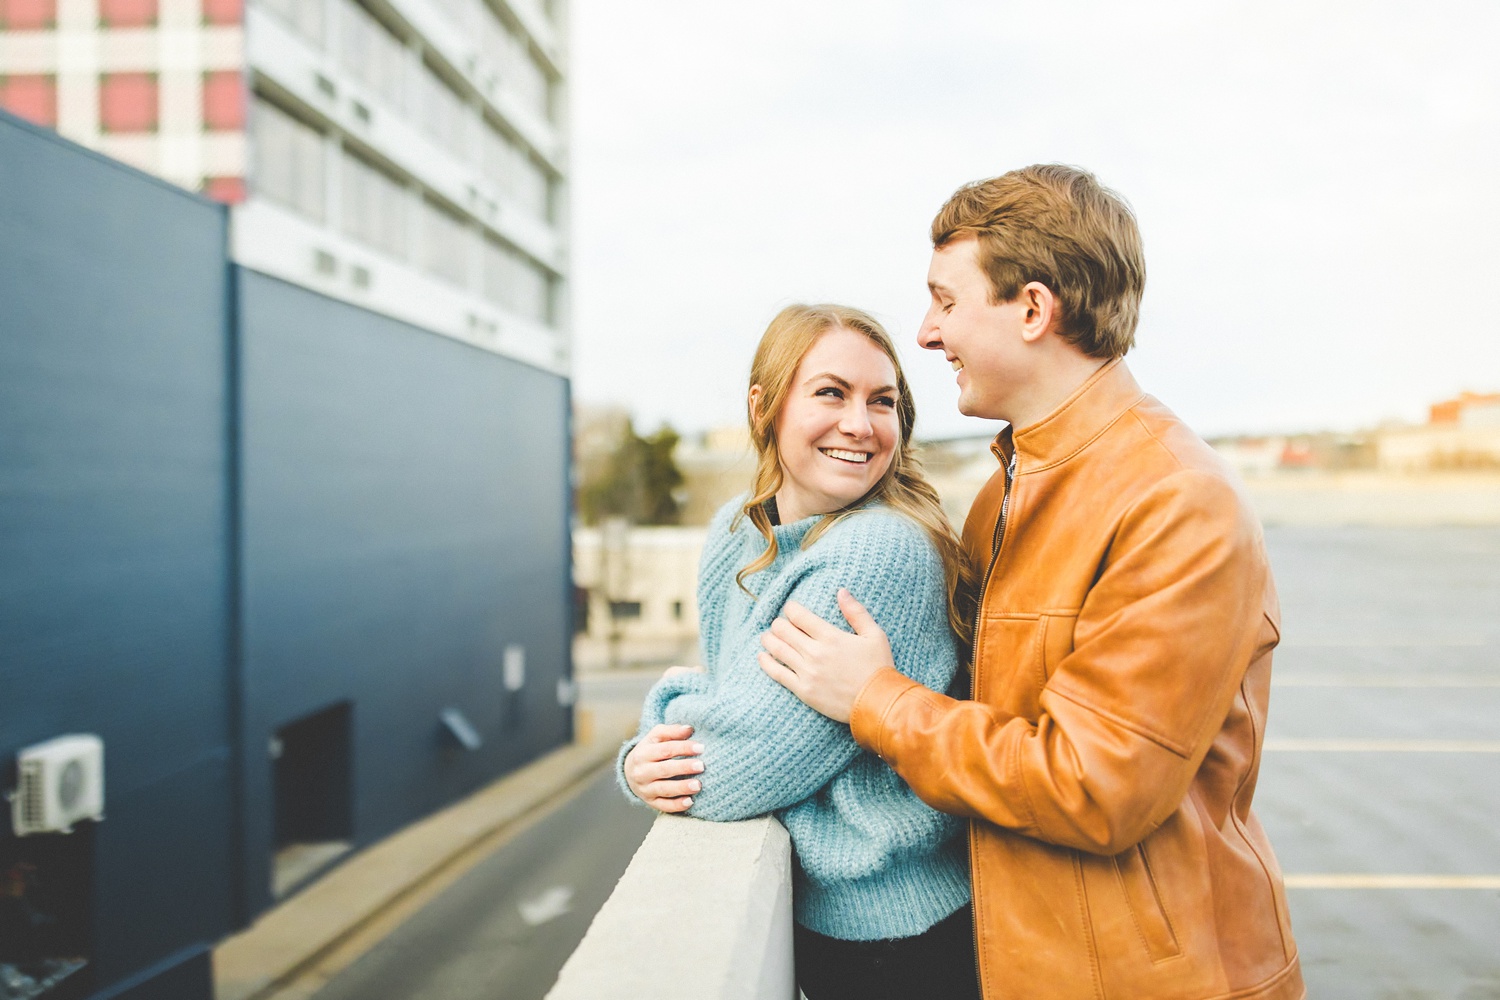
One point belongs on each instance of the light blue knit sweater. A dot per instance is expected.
(873, 861)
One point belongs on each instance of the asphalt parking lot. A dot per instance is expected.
(1380, 785)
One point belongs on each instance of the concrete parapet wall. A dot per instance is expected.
(704, 912)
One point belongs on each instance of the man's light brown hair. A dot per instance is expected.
(1057, 225)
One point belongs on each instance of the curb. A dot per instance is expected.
(294, 937)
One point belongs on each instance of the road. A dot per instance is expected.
(505, 929)
(1380, 788)
(1383, 759)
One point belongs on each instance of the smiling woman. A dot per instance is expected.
(880, 885)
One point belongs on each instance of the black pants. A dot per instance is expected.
(937, 964)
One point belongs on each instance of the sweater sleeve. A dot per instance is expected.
(1127, 716)
(763, 748)
(717, 550)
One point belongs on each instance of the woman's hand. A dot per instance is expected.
(657, 779)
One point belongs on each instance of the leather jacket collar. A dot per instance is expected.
(1079, 419)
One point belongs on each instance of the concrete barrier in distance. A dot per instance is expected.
(704, 911)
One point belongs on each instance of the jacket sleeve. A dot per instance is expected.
(763, 748)
(1126, 718)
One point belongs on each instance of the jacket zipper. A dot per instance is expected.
(995, 542)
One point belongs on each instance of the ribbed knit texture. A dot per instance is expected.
(873, 861)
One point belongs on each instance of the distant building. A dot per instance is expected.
(1468, 409)
(716, 466)
(407, 156)
(1461, 433)
(637, 594)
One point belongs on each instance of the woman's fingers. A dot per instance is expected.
(671, 788)
(667, 732)
(669, 749)
(777, 646)
(670, 769)
(670, 805)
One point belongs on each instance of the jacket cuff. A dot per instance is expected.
(875, 700)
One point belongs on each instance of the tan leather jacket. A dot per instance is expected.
(1110, 752)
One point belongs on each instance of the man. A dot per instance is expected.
(1122, 649)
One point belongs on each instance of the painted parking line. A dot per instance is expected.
(1381, 746)
(1339, 881)
(1385, 681)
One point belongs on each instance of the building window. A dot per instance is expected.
(445, 244)
(28, 15)
(520, 178)
(442, 113)
(127, 13)
(374, 209)
(128, 102)
(227, 190)
(223, 101)
(521, 72)
(513, 280)
(304, 16)
(373, 54)
(624, 609)
(223, 11)
(677, 610)
(30, 96)
(288, 164)
(525, 75)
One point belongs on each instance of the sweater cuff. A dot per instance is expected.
(875, 700)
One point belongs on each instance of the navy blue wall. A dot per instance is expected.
(405, 519)
(227, 502)
(115, 547)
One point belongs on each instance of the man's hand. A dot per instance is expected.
(655, 773)
(822, 664)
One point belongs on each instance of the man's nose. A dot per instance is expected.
(928, 336)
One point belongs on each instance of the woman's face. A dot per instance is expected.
(838, 429)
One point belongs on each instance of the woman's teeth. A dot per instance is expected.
(848, 456)
(958, 365)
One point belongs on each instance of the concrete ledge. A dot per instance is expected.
(704, 912)
(293, 937)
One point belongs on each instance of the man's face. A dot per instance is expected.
(980, 338)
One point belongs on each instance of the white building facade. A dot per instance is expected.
(408, 156)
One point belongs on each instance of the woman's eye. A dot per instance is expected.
(948, 307)
(884, 401)
(832, 391)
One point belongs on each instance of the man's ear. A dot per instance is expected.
(1041, 310)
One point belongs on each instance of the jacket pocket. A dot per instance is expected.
(1143, 896)
(1056, 642)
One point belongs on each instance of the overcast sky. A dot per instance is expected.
(1316, 185)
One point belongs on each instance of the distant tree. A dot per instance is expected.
(621, 474)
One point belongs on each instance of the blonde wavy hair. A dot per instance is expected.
(903, 488)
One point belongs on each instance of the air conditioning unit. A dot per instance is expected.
(58, 783)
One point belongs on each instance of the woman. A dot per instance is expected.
(881, 882)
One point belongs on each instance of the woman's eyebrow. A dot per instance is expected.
(845, 385)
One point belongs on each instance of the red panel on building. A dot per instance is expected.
(27, 15)
(223, 11)
(229, 190)
(32, 96)
(223, 101)
(128, 102)
(127, 13)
